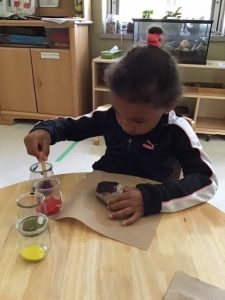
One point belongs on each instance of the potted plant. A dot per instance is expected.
(146, 14)
(173, 27)
(173, 14)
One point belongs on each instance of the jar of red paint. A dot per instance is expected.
(49, 187)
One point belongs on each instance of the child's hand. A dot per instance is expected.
(37, 143)
(129, 205)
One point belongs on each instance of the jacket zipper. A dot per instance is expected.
(129, 144)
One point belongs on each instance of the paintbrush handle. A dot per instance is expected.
(44, 170)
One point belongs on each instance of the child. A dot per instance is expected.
(143, 137)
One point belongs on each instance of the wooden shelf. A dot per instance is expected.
(200, 96)
(105, 61)
(210, 125)
(102, 88)
(210, 64)
(38, 23)
(206, 93)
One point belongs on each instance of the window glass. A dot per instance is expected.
(190, 9)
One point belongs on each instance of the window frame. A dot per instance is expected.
(217, 14)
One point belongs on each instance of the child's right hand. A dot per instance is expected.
(128, 206)
(38, 143)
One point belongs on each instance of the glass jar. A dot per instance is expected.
(33, 237)
(30, 203)
(40, 170)
(111, 23)
(49, 187)
(37, 171)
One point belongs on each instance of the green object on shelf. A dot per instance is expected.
(110, 55)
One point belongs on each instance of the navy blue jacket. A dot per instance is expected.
(153, 155)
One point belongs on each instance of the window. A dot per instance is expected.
(190, 9)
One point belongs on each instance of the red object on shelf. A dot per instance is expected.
(60, 35)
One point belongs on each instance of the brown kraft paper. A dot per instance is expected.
(81, 203)
(185, 287)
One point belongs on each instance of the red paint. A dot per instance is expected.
(53, 205)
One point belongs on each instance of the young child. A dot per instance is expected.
(143, 137)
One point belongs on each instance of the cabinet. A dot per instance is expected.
(45, 81)
(57, 74)
(16, 81)
(205, 101)
(68, 8)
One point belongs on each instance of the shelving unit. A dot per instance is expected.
(207, 105)
(45, 81)
(66, 9)
(212, 119)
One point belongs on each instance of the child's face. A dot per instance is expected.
(135, 118)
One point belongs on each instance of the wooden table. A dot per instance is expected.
(83, 264)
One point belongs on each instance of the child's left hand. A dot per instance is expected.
(129, 205)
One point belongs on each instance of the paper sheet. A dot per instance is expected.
(64, 20)
(185, 287)
(82, 204)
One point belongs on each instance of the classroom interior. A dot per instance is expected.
(81, 72)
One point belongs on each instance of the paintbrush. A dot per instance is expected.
(43, 166)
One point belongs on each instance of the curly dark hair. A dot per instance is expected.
(146, 75)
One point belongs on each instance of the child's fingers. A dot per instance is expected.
(42, 156)
(121, 213)
(132, 216)
(127, 188)
(44, 148)
(118, 205)
(123, 196)
(132, 219)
